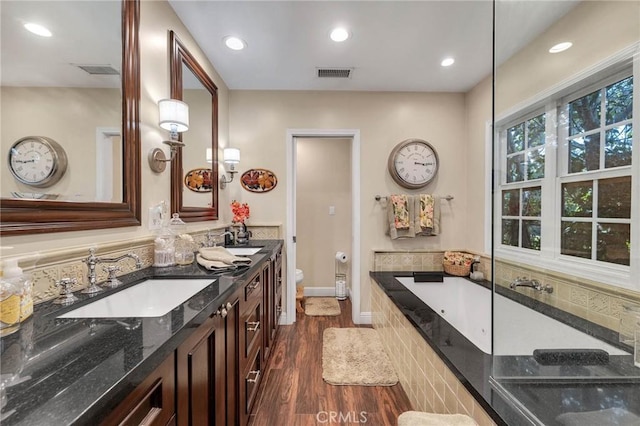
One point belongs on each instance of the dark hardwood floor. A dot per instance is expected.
(293, 392)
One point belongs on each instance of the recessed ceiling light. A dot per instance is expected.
(339, 34)
(447, 62)
(234, 43)
(560, 47)
(37, 29)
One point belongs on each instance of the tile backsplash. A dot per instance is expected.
(47, 268)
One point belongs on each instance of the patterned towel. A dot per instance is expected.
(400, 205)
(426, 211)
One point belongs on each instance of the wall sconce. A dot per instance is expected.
(174, 116)
(232, 157)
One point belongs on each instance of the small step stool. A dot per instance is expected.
(299, 298)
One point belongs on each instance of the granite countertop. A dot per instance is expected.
(545, 391)
(74, 371)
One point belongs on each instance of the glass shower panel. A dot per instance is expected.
(563, 230)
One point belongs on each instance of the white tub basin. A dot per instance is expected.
(151, 298)
(243, 251)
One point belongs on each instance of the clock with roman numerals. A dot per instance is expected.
(37, 161)
(413, 163)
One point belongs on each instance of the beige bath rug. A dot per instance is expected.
(417, 418)
(355, 356)
(321, 307)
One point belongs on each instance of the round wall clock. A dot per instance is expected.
(413, 163)
(37, 161)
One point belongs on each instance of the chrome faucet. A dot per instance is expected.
(534, 284)
(210, 239)
(93, 260)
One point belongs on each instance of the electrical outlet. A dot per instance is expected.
(332, 210)
(155, 218)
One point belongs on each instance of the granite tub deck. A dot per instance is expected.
(536, 393)
(75, 371)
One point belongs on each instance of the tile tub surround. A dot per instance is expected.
(426, 260)
(420, 342)
(70, 371)
(48, 267)
(595, 302)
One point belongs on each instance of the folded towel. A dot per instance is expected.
(427, 215)
(214, 265)
(400, 211)
(609, 416)
(223, 255)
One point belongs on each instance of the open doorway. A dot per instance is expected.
(323, 206)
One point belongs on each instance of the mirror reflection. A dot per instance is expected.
(65, 87)
(194, 172)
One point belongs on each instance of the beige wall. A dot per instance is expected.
(323, 179)
(156, 19)
(260, 119)
(597, 29)
(37, 111)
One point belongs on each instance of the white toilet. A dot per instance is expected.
(299, 276)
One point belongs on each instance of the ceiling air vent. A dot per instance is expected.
(99, 69)
(334, 72)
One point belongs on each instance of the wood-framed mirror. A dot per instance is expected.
(67, 209)
(194, 171)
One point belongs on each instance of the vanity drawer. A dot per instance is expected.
(251, 382)
(253, 290)
(252, 326)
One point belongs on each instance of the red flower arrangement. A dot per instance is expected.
(240, 211)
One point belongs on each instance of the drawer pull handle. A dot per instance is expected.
(253, 326)
(255, 378)
(254, 285)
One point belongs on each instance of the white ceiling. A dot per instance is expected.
(395, 45)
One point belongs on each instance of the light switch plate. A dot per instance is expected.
(332, 210)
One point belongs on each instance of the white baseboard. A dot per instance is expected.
(365, 318)
(319, 291)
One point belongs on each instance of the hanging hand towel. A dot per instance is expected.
(400, 211)
(427, 218)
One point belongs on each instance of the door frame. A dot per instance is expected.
(354, 136)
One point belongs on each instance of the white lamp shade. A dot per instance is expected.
(174, 113)
(209, 155)
(232, 155)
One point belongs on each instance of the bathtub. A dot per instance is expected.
(518, 329)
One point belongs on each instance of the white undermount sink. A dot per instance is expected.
(243, 251)
(151, 298)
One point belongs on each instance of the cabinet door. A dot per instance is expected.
(267, 307)
(202, 376)
(232, 355)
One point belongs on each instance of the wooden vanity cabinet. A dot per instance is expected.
(251, 343)
(152, 403)
(272, 273)
(207, 372)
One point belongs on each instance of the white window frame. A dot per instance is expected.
(556, 164)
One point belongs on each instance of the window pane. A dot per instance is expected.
(515, 166)
(531, 234)
(532, 201)
(584, 113)
(535, 163)
(511, 202)
(536, 129)
(620, 101)
(614, 242)
(617, 147)
(576, 239)
(614, 197)
(577, 199)
(515, 139)
(510, 232)
(584, 153)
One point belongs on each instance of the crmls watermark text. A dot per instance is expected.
(341, 417)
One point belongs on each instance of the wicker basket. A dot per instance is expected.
(457, 270)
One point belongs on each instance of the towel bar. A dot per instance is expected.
(445, 197)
